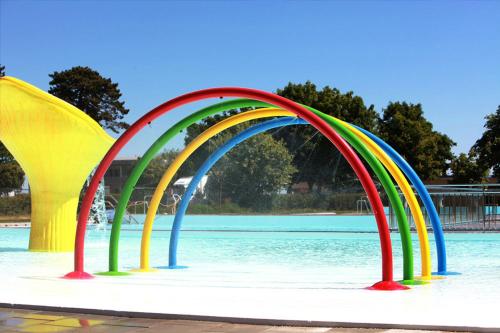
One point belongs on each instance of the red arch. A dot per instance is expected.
(318, 123)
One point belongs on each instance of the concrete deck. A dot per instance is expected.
(23, 320)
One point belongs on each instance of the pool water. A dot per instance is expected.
(310, 251)
(310, 268)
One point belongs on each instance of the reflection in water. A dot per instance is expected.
(12, 249)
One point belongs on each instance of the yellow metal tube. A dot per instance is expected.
(270, 112)
(182, 157)
(407, 193)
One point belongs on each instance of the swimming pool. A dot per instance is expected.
(263, 255)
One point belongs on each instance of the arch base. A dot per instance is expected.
(414, 282)
(430, 278)
(388, 286)
(76, 275)
(173, 267)
(444, 273)
(113, 273)
(145, 270)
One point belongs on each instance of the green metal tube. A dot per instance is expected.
(390, 189)
(377, 167)
(143, 162)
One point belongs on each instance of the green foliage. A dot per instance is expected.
(316, 202)
(225, 208)
(5, 155)
(488, 146)
(285, 204)
(17, 205)
(465, 169)
(95, 95)
(405, 128)
(251, 173)
(317, 159)
(157, 167)
(202, 153)
(11, 176)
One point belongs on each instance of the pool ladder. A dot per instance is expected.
(362, 203)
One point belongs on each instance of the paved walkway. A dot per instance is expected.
(18, 320)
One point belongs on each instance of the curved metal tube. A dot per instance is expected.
(207, 165)
(346, 134)
(412, 201)
(144, 161)
(424, 196)
(363, 175)
(149, 155)
(181, 158)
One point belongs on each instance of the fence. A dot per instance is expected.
(461, 207)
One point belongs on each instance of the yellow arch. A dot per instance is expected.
(57, 145)
(270, 112)
(182, 157)
(407, 193)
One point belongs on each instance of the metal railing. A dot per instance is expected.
(111, 202)
(461, 207)
(363, 204)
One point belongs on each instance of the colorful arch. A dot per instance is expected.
(177, 163)
(424, 196)
(144, 161)
(422, 232)
(181, 158)
(315, 120)
(214, 157)
(352, 139)
(168, 175)
(412, 201)
(208, 164)
(415, 209)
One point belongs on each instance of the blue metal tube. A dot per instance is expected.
(424, 196)
(208, 164)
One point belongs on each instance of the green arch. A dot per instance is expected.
(374, 163)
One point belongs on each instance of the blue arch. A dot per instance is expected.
(423, 194)
(207, 165)
(402, 164)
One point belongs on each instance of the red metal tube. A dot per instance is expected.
(318, 123)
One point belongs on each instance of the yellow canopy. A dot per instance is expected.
(57, 145)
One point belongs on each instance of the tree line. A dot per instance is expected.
(276, 160)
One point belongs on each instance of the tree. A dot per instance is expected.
(201, 154)
(405, 128)
(465, 169)
(488, 146)
(317, 160)
(11, 174)
(157, 167)
(252, 172)
(95, 95)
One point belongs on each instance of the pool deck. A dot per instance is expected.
(174, 295)
(259, 294)
(26, 320)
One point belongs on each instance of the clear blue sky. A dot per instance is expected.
(445, 55)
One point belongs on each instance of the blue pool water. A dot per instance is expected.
(292, 267)
(318, 250)
(278, 223)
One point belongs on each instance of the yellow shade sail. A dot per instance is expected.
(57, 146)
